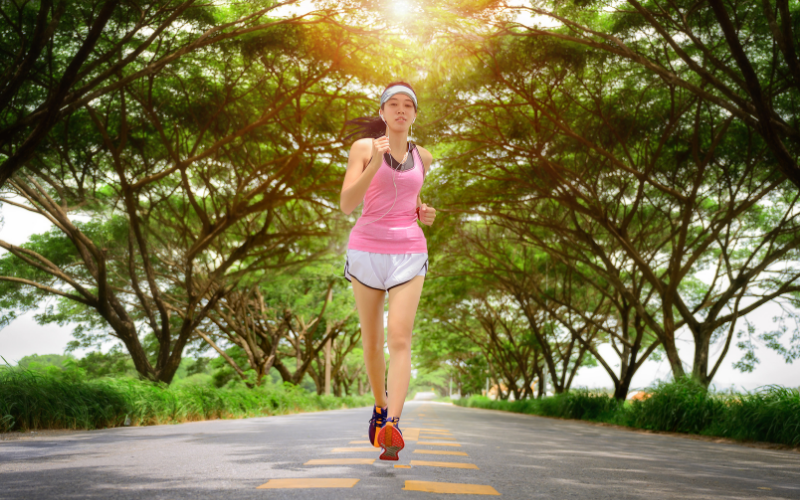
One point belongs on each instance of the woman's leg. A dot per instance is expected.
(369, 303)
(403, 302)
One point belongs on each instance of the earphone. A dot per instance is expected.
(411, 127)
(393, 171)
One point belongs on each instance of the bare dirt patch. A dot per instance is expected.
(32, 435)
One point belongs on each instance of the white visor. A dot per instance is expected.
(398, 89)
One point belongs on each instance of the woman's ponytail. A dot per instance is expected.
(366, 127)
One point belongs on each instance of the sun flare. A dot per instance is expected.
(401, 7)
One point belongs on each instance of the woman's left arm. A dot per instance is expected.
(425, 213)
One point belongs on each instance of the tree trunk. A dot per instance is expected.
(328, 367)
(623, 386)
(672, 356)
(700, 367)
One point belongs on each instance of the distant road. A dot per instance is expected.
(447, 449)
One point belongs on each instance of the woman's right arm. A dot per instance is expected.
(357, 179)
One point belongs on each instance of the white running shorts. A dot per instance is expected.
(384, 271)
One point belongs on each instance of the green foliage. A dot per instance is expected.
(112, 364)
(680, 406)
(584, 404)
(771, 414)
(579, 404)
(68, 399)
(43, 360)
(221, 372)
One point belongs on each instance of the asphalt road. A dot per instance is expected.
(516, 456)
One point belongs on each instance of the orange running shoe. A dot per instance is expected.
(375, 423)
(390, 438)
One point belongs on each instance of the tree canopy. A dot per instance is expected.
(608, 174)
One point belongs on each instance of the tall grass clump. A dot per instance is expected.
(66, 399)
(578, 404)
(771, 414)
(680, 406)
(584, 404)
(43, 400)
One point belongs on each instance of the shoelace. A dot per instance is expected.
(396, 422)
(377, 417)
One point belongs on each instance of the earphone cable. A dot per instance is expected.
(393, 182)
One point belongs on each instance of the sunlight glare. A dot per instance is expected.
(401, 7)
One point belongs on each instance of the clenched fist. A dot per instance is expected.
(426, 214)
(380, 146)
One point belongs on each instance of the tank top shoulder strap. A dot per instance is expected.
(419, 158)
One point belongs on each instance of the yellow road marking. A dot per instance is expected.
(359, 442)
(452, 465)
(442, 452)
(764, 488)
(410, 436)
(443, 438)
(359, 450)
(437, 443)
(341, 461)
(464, 489)
(400, 466)
(306, 482)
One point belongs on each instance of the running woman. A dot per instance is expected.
(387, 251)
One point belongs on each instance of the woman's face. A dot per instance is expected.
(399, 112)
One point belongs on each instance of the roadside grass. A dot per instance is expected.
(770, 414)
(56, 399)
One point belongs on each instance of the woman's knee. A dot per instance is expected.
(372, 345)
(399, 341)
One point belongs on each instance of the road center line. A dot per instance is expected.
(354, 450)
(307, 482)
(341, 461)
(451, 465)
(442, 452)
(459, 488)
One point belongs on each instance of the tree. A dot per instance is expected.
(754, 75)
(61, 56)
(632, 174)
(43, 360)
(244, 183)
(284, 320)
(514, 269)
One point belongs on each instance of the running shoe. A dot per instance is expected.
(376, 422)
(390, 438)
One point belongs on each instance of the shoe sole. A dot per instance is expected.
(391, 441)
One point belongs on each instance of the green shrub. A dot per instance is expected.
(680, 406)
(66, 399)
(771, 414)
(583, 404)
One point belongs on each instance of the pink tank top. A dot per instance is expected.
(398, 230)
